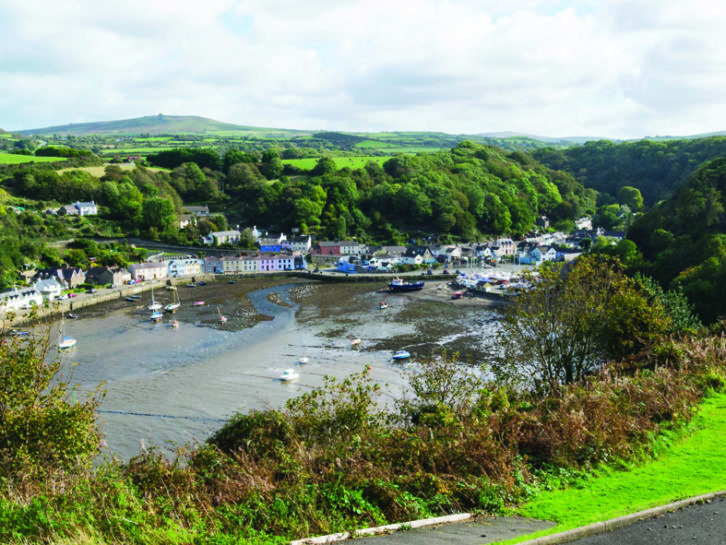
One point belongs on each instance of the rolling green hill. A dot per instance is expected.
(157, 124)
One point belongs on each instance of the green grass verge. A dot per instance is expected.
(12, 159)
(687, 468)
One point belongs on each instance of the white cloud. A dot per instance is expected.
(617, 68)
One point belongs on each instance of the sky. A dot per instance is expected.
(617, 69)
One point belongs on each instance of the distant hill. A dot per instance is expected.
(156, 124)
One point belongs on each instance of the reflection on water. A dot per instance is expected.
(172, 386)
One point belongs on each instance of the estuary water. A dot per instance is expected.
(169, 387)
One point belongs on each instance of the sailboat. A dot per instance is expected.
(175, 304)
(154, 306)
(222, 318)
(64, 341)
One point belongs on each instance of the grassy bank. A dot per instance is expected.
(686, 464)
(331, 460)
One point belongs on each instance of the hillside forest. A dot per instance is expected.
(654, 190)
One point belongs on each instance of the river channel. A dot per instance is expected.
(170, 387)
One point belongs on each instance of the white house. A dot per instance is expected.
(185, 267)
(19, 298)
(301, 243)
(152, 270)
(222, 237)
(49, 288)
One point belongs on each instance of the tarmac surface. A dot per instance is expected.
(700, 523)
(700, 520)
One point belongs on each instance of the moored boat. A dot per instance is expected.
(64, 341)
(156, 316)
(399, 284)
(175, 304)
(383, 305)
(289, 374)
(401, 355)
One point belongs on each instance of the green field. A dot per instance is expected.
(12, 159)
(340, 162)
(688, 467)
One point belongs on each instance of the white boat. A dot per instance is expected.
(155, 305)
(222, 319)
(289, 374)
(354, 341)
(175, 304)
(401, 355)
(383, 305)
(156, 316)
(64, 341)
(302, 360)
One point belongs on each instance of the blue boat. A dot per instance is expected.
(399, 285)
(401, 355)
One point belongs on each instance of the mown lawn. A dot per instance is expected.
(686, 468)
(12, 159)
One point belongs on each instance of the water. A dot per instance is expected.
(171, 387)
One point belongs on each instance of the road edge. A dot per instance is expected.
(618, 522)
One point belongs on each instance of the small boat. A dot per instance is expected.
(302, 360)
(400, 285)
(191, 285)
(354, 341)
(174, 324)
(197, 303)
(382, 305)
(222, 319)
(64, 341)
(457, 295)
(156, 316)
(72, 315)
(133, 298)
(401, 355)
(171, 288)
(289, 374)
(231, 281)
(16, 333)
(201, 283)
(175, 304)
(155, 305)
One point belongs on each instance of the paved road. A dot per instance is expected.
(701, 524)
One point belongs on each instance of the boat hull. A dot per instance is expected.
(406, 286)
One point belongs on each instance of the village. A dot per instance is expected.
(280, 253)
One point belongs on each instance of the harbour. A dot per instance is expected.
(173, 386)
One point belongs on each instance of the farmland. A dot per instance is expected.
(340, 162)
(13, 159)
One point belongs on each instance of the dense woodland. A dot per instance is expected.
(469, 192)
(656, 168)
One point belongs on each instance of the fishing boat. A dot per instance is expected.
(382, 305)
(289, 374)
(399, 284)
(155, 305)
(64, 341)
(401, 355)
(156, 316)
(222, 319)
(175, 304)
